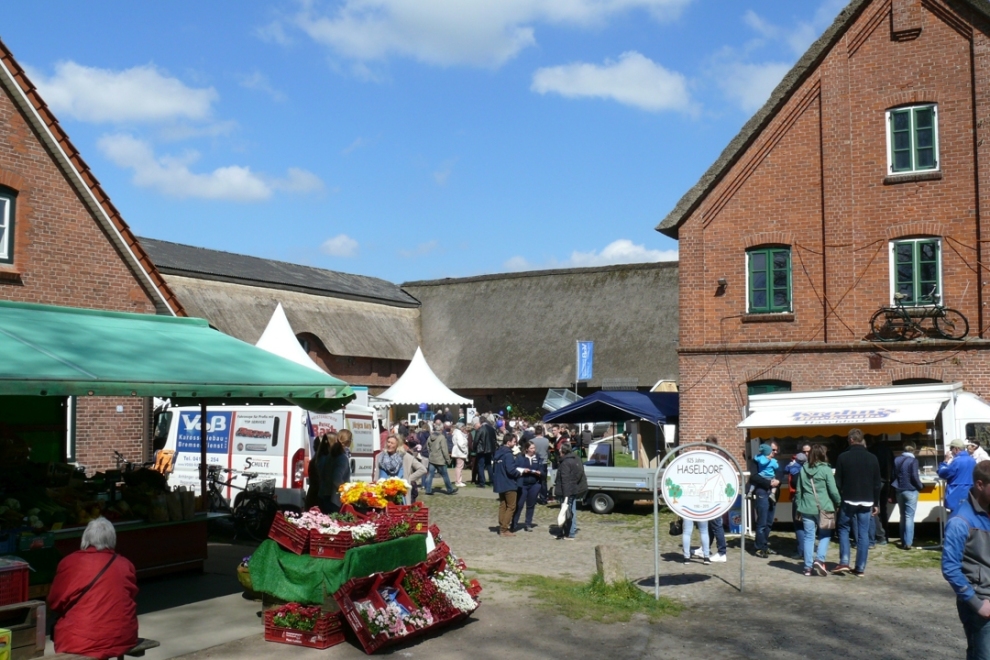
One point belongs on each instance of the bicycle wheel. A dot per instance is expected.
(951, 324)
(253, 515)
(883, 329)
(217, 502)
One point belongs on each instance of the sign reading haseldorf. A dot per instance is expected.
(847, 416)
(700, 485)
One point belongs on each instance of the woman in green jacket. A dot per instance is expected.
(818, 473)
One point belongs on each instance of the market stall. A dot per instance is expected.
(56, 353)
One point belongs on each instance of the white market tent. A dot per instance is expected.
(420, 385)
(278, 338)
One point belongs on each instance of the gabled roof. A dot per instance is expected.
(77, 173)
(778, 99)
(201, 263)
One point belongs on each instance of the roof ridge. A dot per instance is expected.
(543, 273)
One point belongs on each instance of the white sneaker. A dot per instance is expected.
(718, 559)
(460, 484)
(699, 552)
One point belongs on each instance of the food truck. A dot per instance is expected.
(929, 415)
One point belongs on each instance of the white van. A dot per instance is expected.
(273, 441)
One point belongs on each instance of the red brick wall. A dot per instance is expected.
(815, 179)
(63, 257)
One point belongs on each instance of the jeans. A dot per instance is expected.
(716, 528)
(854, 515)
(798, 527)
(686, 537)
(571, 530)
(907, 500)
(527, 495)
(977, 632)
(484, 461)
(431, 473)
(764, 517)
(810, 525)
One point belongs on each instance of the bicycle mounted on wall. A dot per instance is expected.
(901, 323)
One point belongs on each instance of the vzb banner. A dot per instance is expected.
(585, 360)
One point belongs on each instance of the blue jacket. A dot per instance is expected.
(505, 477)
(522, 462)
(966, 553)
(959, 479)
(906, 473)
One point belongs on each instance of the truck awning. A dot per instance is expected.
(63, 351)
(804, 419)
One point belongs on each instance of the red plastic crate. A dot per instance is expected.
(329, 631)
(292, 538)
(330, 547)
(13, 581)
(417, 515)
(439, 552)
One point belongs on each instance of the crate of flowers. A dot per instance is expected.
(334, 539)
(290, 531)
(304, 625)
(416, 514)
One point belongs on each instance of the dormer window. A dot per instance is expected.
(912, 139)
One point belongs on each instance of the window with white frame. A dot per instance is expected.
(916, 270)
(768, 280)
(6, 227)
(912, 139)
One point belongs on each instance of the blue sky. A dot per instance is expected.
(409, 139)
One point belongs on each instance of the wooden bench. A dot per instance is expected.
(136, 652)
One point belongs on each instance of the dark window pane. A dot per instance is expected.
(780, 299)
(780, 279)
(759, 280)
(902, 141)
(780, 259)
(902, 161)
(759, 299)
(927, 251)
(926, 159)
(904, 252)
(905, 273)
(928, 272)
(923, 118)
(906, 288)
(758, 261)
(901, 120)
(924, 138)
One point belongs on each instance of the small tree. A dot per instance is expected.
(729, 491)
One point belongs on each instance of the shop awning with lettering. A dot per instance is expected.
(62, 351)
(837, 419)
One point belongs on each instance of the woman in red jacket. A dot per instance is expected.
(93, 594)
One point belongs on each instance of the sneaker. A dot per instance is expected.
(859, 573)
(907, 547)
(841, 569)
(706, 561)
(507, 533)
(718, 559)
(451, 491)
(570, 538)
(687, 559)
(820, 569)
(762, 554)
(807, 572)
(700, 552)
(460, 484)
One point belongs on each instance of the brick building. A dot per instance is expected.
(865, 174)
(62, 242)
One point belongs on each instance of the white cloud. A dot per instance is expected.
(353, 146)
(340, 246)
(139, 94)
(634, 80)
(179, 132)
(451, 32)
(259, 82)
(443, 174)
(750, 85)
(170, 175)
(621, 251)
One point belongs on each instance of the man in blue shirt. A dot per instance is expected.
(966, 563)
(957, 470)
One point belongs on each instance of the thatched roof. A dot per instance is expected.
(201, 263)
(780, 96)
(346, 327)
(518, 330)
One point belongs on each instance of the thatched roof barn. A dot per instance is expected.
(363, 329)
(518, 330)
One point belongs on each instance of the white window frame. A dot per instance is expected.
(7, 203)
(892, 266)
(888, 121)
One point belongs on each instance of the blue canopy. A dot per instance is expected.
(604, 406)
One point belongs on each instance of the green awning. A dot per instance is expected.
(61, 351)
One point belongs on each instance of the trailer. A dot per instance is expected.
(929, 415)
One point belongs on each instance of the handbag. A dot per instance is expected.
(676, 527)
(56, 616)
(826, 519)
(565, 512)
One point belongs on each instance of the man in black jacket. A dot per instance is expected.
(485, 442)
(764, 505)
(857, 476)
(573, 485)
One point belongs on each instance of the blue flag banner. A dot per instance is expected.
(585, 359)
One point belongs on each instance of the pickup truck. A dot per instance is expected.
(608, 485)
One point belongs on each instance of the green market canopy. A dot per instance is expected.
(62, 351)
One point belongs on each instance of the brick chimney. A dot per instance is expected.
(905, 19)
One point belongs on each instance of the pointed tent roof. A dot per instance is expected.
(420, 385)
(278, 338)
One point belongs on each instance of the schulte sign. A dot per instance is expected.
(700, 485)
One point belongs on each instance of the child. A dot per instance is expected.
(766, 468)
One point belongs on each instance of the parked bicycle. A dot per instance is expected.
(253, 509)
(900, 323)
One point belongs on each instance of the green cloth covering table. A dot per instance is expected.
(307, 579)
